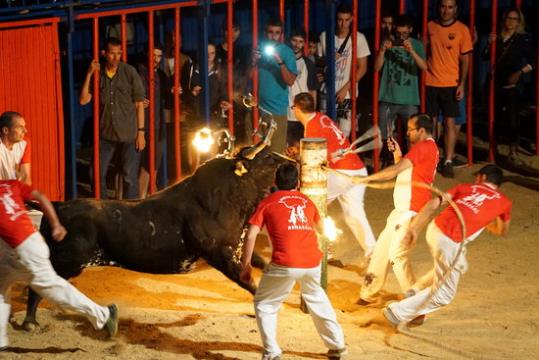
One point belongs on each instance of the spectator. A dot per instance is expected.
(243, 128)
(291, 219)
(305, 82)
(15, 152)
(386, 27)
(121, 113)
(24, 256)
(312, 48)
(450, 45)
(482, 205)
(161, 87)
(277, 71)
(514, 57)
(185, 64)
(343, 65)
(400, 60)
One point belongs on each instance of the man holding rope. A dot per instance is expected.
(418, 165)
(343, 188)
(480, 204)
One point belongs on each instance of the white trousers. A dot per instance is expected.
(350, 197)
(29, 262)
(389, 250)
(444, 250)
(274, 288)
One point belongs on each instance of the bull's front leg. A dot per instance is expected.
(30, 323)
(228, 261)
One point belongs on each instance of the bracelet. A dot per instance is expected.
(280, 64)
(141, 129)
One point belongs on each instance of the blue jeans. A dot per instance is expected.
(129, 166)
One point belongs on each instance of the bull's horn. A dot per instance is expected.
(250, 153)
(284, 156)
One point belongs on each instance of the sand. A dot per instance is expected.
(203, 315)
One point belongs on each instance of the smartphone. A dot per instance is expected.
(398, 42)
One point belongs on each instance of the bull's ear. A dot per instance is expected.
(240, 168)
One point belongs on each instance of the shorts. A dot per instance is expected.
(442, 100)
(461, 119)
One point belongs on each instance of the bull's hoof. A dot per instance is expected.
(30, 326)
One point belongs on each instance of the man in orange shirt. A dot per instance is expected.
(291, 219)
(450, 45)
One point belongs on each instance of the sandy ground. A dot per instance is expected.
(202, 315)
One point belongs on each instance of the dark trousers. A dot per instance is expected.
(507, 118)
(129, 160)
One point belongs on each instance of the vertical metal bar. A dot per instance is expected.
(230, 62)
(204, 13)
(60, 110)
(402, 6)
(306, 25)
(254, 21)
(425, 35)
(469, 95)
(281, 17)
(123, 31)
(72, 148)
(518, 3)
(376, 81)
(151, 108)
(330, 60)
(353, 71)
(177, 148)
(96, 78)
(537, 92)
(491, 103)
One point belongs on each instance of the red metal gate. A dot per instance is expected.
(31, 85)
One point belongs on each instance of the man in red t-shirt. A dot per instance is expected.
(342, 188)
(24, 256)
(290, 218)
(418, 165)
(482, 205)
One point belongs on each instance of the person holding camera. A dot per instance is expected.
(277, 71)
(400, 59)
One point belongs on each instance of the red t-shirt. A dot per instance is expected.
(424, 157)
(480, 204)
(322, 126)
(15, 224)
(290, 218)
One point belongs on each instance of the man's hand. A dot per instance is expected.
(58, 232)
(255, 56)
(386, 45)
(94, 65)
(140, 142)
(341, 94)
(245, 275)
(360, 179)
(459, 95)
(196, 90)
(146, 103)
(410, 237)
(514, 78)
(491, 37)
(277, 57)
(407, 44)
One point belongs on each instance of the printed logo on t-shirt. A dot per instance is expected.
(476, 199)
(327, 123)
(11, 207)
(296, 207)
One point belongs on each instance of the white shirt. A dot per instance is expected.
(10, 160)
(343, 65)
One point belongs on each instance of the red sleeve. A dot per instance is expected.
(506, 215)
(258, 217)
(453, 192)
(27, 155)
(26, 191)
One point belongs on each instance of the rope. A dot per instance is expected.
(402, 327)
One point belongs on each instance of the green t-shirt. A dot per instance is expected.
(399, 83)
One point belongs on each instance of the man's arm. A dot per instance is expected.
(140, 141)
(389, 172)
(85, 97)
(361, 68)
(464, 64)
(380, 57)
(25, 172)
(288, 76)
(421, 63)
(498, 226)
(247, 253)
(58, 231)
(421, 219)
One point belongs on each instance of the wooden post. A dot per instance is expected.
(313, 183)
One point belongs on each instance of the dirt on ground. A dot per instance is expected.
(203, 315)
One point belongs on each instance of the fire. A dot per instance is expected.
(330, 230)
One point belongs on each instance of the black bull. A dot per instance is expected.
(202, 216)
